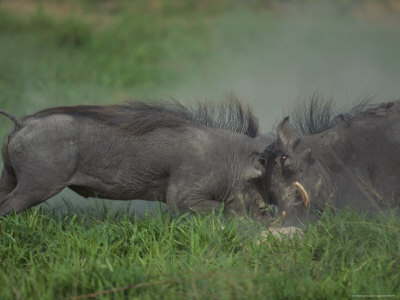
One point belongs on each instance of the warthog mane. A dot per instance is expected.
(140, 117)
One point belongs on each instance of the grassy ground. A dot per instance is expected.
(88, 52)
(204, 258)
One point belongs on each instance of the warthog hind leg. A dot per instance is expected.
(25, 195)
(8, 182)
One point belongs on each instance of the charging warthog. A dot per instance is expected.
(353, 161)
(191, 159)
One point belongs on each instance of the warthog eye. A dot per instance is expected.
(283, 159)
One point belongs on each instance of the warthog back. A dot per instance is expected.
(192, 159)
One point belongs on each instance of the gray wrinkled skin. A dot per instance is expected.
(355, 164)
(190, 168)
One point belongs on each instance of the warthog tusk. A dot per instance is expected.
(303, 192)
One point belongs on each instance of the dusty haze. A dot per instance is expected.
(272, 60)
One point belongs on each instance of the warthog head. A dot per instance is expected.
(296, 181)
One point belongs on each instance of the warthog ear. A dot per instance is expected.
(287, 134)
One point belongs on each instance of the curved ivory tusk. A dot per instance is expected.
(303, 192)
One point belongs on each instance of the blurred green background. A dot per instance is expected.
(269, 53)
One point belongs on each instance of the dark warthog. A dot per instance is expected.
(191, 159)
(355, 162)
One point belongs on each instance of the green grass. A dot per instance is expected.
(44, 257)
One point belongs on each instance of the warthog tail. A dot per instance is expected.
(11, 117)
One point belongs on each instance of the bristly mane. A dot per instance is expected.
(318, 114)
(141, 117)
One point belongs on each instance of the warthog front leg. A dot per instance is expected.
(182, 200)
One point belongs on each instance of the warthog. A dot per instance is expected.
(353, 161)
(189, 158)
